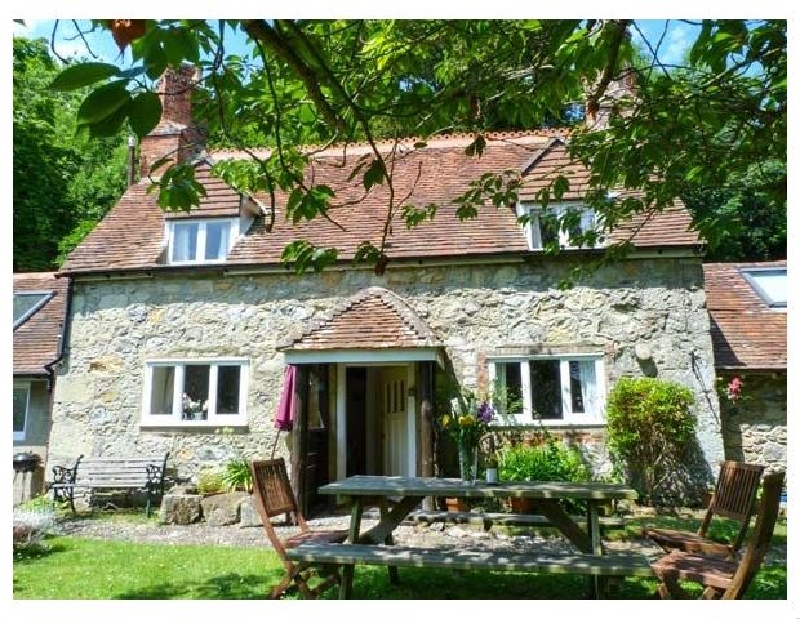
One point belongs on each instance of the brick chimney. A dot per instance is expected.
(620, 93)
(175, 136)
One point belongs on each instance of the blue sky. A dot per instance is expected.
(677, 40)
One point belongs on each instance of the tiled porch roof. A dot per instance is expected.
(372, 318)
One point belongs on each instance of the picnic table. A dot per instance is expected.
(407, 492)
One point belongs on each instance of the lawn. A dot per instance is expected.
(79, 568)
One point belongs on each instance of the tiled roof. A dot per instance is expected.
(131, 236)
(746, 333)
(668, 227)
(372, 318)
(37, 339)
(220, 199)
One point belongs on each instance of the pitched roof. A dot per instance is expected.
(746, 333)
(372, 318)
(37, 339)
(131, 235)
(668, 227)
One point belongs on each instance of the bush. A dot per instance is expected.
(210, 482)
(650, 427)
(237, 475)
(552, 461)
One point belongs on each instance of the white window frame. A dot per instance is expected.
(19, 384)
(176, 418)
(533, 230)
(568, 417)
(200, 248)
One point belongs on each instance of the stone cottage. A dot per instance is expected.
(182, 324)
(40, 307)
(748, 303)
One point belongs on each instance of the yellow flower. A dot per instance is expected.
(445, 421)
(466, 420)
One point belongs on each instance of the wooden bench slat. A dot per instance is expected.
(490, 518)
(617, 564)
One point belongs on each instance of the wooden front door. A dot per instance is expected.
(393, 390)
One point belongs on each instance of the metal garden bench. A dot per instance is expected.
(113, 473)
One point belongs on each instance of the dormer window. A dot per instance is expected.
(770, 284)
(201, 240)
(543, 229)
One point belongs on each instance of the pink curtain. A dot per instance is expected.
(285, 416)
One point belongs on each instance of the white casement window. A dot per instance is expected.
(567, 390)
(770, 284)
(209, 392)
(543, 227)
(201, 241)
(22, 399)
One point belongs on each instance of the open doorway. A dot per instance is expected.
(377, 411)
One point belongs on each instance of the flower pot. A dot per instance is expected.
(455, 504)
(522, 506)
(491, 475)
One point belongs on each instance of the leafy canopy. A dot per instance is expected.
(326, 81)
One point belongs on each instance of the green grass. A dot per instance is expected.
(78, 568)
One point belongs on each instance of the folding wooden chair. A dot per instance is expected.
(734, 497)
(722, 578)
(274, 497)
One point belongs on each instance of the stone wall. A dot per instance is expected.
(754, 428)
(647, 315)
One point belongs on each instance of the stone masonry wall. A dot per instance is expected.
(754, 428)
(648, 315)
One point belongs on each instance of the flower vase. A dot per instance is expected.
(468, 462)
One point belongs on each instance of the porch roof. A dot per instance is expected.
(373, 318)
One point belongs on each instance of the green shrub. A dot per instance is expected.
(237, 475)
(551, 461)
(650, 426)
(210, 482)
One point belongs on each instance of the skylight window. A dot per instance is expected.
(26, 304)
(770, 284)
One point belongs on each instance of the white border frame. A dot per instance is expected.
(568, 419)
(233, 235)
(214, 421)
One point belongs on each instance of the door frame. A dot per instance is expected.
(341, 413)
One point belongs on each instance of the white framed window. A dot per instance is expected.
(564, 390)
(195, 392)
(770, 284)
(201, 240)
(22, 400)
(543, 226)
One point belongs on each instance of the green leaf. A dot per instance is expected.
(374, 174)
(83, 74)
(144, 112)
(103, 102)
(110, 125)
(155, 61)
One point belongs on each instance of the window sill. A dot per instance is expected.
(549, 423)
(188, 424)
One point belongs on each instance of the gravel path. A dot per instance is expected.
(421, 535)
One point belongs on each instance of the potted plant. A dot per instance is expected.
(549, 461)
(194, 409)
(237, 475)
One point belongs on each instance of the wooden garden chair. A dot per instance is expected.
(274, 497)
(720, 577)
(734, 498)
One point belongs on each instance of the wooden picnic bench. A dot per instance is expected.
(112, 473)
(406, 493)
(487, 519)
(617, 564)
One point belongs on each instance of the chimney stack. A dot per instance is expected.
(175, 136)
(621, 92)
